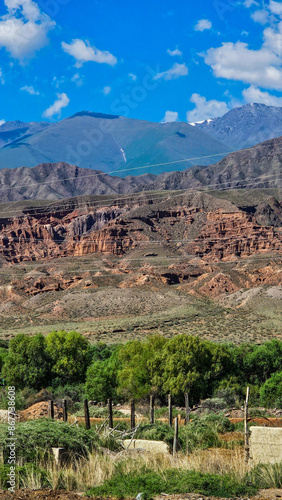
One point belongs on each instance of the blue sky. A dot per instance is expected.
(158, 60)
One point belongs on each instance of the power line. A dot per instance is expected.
(115, 171)
(141, 270)
(40, 210)
(4, 188)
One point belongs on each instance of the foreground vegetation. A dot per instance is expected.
(99, 464)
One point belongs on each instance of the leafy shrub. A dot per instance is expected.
(172, 482)
(271, 391)
(37, 437)
(202, 432)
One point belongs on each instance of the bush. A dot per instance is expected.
(202, 432)
(172, 482)
(271, 391)
(36, 438)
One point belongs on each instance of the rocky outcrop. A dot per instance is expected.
(195, 225)
(227, 236)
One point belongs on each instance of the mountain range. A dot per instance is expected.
(124, 146)
(257, 167)
(113, 144)
(245, 126)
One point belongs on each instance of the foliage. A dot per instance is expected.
(27, 363)
(135, 377)
(101, 378)
(201, 433)
(172, 482)
(39, 436)
(271, 391)
(68, 352)
(101, 351)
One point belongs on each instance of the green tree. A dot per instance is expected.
(136, 372)
(271, 391)
(189, 364)
(264, 360)
(101, 378)
(27, 363)
(69, 353)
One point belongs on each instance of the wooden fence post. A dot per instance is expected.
(132, 414)
(187, 409)
(247, 447)
(152, 409)
(110, 407)
(65, 411)
(51, 409)
(86, 414)
(170, 410)
(175, 438)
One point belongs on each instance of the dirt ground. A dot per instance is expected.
(271, 494)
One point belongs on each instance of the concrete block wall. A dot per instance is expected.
(266, 445)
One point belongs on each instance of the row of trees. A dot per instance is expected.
(137, 369)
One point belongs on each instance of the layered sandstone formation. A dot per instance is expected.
(196, 225)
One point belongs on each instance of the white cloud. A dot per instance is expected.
(170, 116)
(261, 16)
(275, 7)
(24, 29)
(77, 79)
(2, 122)
(205, 109)
(133, 77)
(83, 52)
(56, 108)
(106, 90)
(254, 94)
(235, 61)
(175, 52)
(250, 3)
(273, 40)
(203, 24)
(176, 71)
(30, 90)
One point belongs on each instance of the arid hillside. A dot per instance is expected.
(159, 261)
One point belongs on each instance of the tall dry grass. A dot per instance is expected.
(98, 467)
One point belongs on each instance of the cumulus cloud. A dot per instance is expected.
(235, 61)
(261, 16)
(24, 29)
(176, 71)
(106, 90)
(203, 24)
(254, 94)
(170, 116)
(205, 109)
(30, 90)
(275, 7)
(175, 52)
(55, 109)
(261, 67)
(83, 52)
